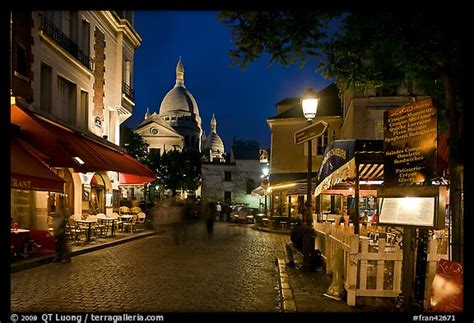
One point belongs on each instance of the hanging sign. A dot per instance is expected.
(410, 143)
(310, 132)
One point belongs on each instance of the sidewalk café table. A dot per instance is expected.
(125, 218)
(89, 223)
(20, 236)
(108, 220)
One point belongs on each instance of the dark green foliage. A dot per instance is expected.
(177, 170)
(134, 144)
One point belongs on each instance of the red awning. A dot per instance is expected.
(67, 147)
(28, 172)
(131, 179)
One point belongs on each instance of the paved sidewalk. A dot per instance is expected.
(302, 291)
(79, 249)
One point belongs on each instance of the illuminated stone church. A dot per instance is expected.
(177, 124)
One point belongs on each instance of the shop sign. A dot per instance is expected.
(19, 183)
(98, 122)
(410, 143)
(336, 155)
(313, 131)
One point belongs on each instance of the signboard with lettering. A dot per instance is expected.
(310, 132)
(98, 122)
(417, 211)
(410, 143)
(418, 206)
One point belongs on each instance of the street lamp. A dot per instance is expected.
(310, 107)
(265, 184)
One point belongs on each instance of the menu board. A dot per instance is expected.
(415, 211)
(410, 143)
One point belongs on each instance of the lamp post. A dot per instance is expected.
(265, 183)
(310, 107)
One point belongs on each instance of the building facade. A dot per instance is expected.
(288, 161)
(232, 181)
(72, 87)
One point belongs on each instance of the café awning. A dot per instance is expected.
(28, 172)
(258, 192)
(343, 156)
(69, 147)
(130, 179)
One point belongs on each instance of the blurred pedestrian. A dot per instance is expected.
(211, 213)
(60, 218)
(218, 211)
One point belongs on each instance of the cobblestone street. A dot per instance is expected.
(232, 271)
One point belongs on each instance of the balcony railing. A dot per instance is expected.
(65, 42)
(128, 91)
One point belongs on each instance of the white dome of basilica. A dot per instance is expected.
(179, 98)
(213, 141)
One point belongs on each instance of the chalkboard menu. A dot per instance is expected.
(410, 143)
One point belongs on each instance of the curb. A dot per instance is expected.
(47, 259)
(287, 303)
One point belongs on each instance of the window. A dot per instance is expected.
(227, 176)
(21, 66)
(127, 72)
(67, 100)
(85, 44)
(70, 25)
(250, 186)
(322, 143)
(46, 88)
(84, 113)
(379, 129)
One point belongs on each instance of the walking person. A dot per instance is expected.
(60, 218)
(211, 213)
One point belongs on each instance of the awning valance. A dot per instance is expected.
(367, 172)
(342, 156)
(28, 172)
(259, 191)
(300, 188)
(130, 179)
(67, 147)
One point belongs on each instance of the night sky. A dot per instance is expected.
(241, 100)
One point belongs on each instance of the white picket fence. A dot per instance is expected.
(370, 270)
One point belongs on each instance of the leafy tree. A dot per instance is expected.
(370, 50)
(134, 144)
(177, 170)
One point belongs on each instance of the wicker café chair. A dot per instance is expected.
(124, 210)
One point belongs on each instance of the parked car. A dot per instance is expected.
(244, 214)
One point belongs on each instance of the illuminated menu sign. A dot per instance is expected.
(417, 211)
(410, 143)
